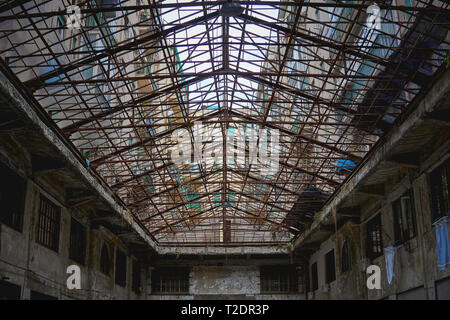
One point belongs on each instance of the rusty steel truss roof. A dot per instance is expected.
(134, 72)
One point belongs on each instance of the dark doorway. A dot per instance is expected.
(9, 291)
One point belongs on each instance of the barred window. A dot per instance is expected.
(121, 268)
(170, 280)
(12, 196)
(278, 279)
(77, 249)
(440, 199)
(374, 241)
(404, 218)
(48, 224)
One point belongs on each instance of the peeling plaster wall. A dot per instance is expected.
(33, 267)
(415, 261)
(346, 285)
(236, 280)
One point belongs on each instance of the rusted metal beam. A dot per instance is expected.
(39, 81)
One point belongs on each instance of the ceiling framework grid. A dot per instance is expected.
(123, 85)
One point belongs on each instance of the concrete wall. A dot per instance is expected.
(415, 262)
(347, 284)
(225, 282)
(34, 267)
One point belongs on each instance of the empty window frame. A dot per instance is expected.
(170, 280)
(278, 279)
(404, 217)
(77, 249)
(48, 224)
(136, 277)
(12, 198)
(345, 257)
(105, 260)
(121, 268)
(439, 181)
(374, 240)
(330, 267)
(314, 277)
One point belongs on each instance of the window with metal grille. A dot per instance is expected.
(77, 249)
(278, 279)
(345, 257)
(12, 196)
(170, 280)
(440, 200)
(105, 260)
(330, 267)
(374, 241)
(227, 231)
(404, 218)
(314, 277)
(136, 277)
(121, 268)
(48, 224)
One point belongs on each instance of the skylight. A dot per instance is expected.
(137, 77)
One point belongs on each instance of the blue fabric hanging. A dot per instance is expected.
(344, 166)
(389, 253)
(442, 244)
(85, 154)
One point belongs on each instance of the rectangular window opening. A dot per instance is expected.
(48, 224)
